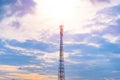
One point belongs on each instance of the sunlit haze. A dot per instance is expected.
(71, 13)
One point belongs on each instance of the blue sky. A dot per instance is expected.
(29, 39)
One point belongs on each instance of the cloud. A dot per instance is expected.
(87, 43)
(15, 7)
(38, 27)
(32, 68)
(2, 52)
(91, 40)
(74, 58)
(41, 57)
(115, 55)
(33, 76)
(111, 38)
(110, 78)
(52, 57)
(15, 72)
(46, 57)
(100, 1)
(24, 51)
(8, 68)
(2, 78)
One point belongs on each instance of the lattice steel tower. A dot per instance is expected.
(61, 72)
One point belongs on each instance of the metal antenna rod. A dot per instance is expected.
(61, 73)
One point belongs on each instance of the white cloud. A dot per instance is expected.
(31, 66)
(76, 53)
(97, 45)
(24, 51)
(52, 57)
(111, 38)
(73, 62)
(48, 58)
(40, 27)
(101, 4)
(86, 41)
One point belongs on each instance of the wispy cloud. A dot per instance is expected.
(2, 52)
(8, 68)
(84, 42)
(39, 25)
(111, 38)
(33, 76)
(15, 72)
(15, 7)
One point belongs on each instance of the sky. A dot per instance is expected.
(29, 39)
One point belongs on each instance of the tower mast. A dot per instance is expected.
(61, 73)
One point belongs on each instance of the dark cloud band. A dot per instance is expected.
(22, 7)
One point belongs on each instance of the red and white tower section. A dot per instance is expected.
(61, 73)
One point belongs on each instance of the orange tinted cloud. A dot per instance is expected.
(13, 72)
(34, 76)
(8, 68)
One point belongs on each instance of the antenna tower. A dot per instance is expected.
(61, 72)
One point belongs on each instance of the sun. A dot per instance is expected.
(73, 14)
(58, 9)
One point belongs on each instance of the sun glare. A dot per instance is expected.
(58, 9)
(71, 13)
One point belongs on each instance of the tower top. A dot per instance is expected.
(61, 29)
